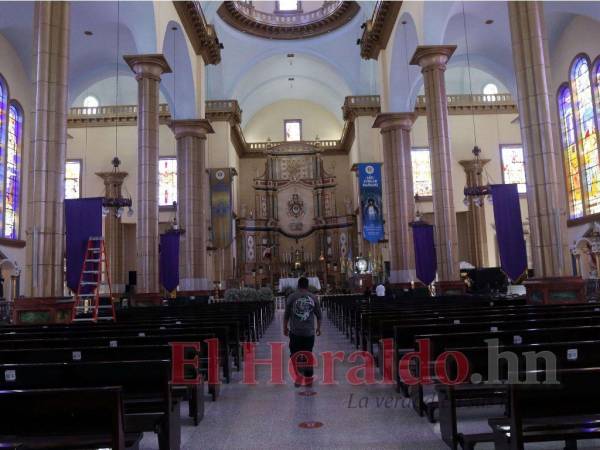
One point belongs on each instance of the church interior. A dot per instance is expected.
(183, 182)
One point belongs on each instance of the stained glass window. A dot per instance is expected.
(167, 181)
(513, 166)
(585, 127)
(73, 179)
(293, 130)
(3, 121)
(13, 171)
(571, 157)
(421, 170)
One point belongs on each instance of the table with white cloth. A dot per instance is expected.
(293, 283)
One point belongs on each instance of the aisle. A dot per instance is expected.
(268, 416)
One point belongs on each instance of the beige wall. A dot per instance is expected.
(19, 85)
(492, 131)
(316, 120)
(568, 47)
(95, 146)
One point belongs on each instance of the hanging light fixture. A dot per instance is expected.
(117, 204)
(473, 194)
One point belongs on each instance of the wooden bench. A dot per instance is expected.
(71, 418)
(569, 411)
(146, 392)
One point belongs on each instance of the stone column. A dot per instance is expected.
(192, 203)
(395, 133)
(45, 238)
(546, 196)
(113, 231)
(147, 69)
(477, 229)
(433, 59)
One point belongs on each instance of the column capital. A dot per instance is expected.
(395, 120)
(148, 65)
(428, 56)
(112, 177)
(191, 127)
(472, 165)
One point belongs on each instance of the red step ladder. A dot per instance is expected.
(94, 274)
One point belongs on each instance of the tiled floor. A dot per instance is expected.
(267, 416)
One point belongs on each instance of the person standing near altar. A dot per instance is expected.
(301, 309)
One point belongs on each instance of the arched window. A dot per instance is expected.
(3, 120)
(585, 128)
(12, 192)
(567, 132)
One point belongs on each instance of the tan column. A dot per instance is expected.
(433, 59)
(148, 69)
(476, 214)
(192, 203)
(45, 248)
(395, 133)
(545, 178)
(113, 231)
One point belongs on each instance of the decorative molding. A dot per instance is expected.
(297, 25)
(106, 116)
(224, 110)
(378, 29)
(361, 105)
(201, 34)
(473, 104)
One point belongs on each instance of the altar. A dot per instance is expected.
(293, 283)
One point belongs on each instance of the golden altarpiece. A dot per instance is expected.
(296, 226)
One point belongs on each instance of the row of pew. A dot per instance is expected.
(554, 348)
(99, 385)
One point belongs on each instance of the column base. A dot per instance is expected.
(146, 299)
(543, 291)
(456, 287)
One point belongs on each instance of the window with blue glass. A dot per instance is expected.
(11, 150)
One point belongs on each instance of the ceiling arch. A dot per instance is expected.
(178, 86)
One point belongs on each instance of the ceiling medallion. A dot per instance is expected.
(245, 17)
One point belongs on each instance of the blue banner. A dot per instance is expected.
(369, 181)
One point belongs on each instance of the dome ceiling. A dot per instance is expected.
(267, 20)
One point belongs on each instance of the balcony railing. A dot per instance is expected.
(478, 103)
(112, 111)
(282, 19)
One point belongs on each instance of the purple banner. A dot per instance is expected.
(425, 257)
(509, 230)
(169, 260)
(83, 218)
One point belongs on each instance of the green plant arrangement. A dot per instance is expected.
(248, 294)
(265, 294)
(232, 295)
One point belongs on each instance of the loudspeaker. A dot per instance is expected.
(132, 277)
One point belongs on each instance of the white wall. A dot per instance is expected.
(316, 120)
(19, 84)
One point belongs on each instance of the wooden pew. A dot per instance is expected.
(146, 392)
(568, 411)
(71, 418)
(577, 354)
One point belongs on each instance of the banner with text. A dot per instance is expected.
(221, 206)
(369, 181)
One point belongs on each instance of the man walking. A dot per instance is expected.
(301, 308)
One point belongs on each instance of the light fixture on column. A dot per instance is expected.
(117, 204)
(473, 194)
